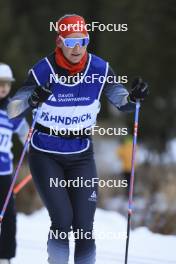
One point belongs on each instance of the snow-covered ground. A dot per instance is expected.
(145, 247)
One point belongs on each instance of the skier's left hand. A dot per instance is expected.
(139, 90)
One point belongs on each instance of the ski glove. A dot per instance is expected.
(39, 95)
(139, 90)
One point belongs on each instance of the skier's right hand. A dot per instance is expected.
(39, 95)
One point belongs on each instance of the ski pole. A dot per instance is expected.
(130, 201)
(16, 172)
(22, 183)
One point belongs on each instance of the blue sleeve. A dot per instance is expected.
(16, 123)
(118, 95)
(18, 106)
(21, 128)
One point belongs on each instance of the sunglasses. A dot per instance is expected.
(72, 42)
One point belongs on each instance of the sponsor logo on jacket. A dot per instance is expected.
(66, 120)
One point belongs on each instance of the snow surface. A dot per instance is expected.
(145, 247)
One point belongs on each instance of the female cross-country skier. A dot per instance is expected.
(69, 106)
(7, 128)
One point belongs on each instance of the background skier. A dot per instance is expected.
(7, 128)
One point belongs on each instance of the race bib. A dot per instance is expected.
(5, 140)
